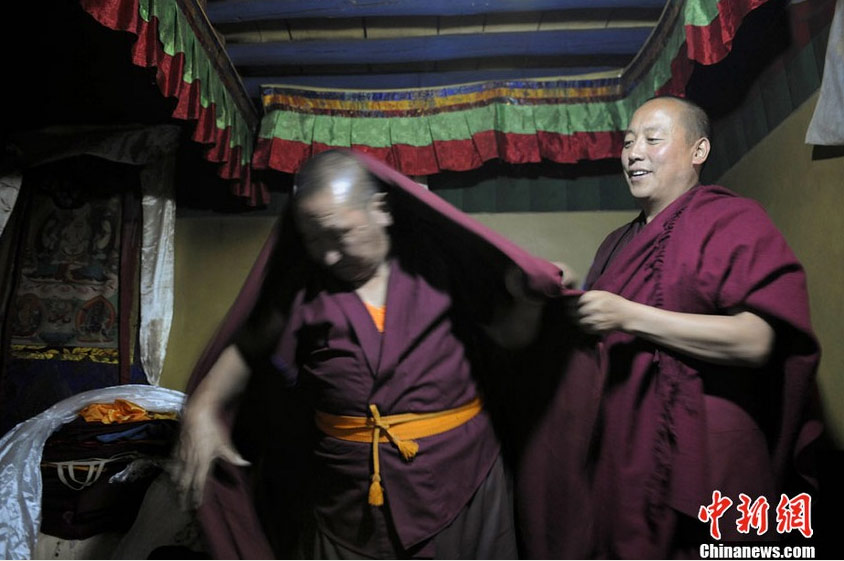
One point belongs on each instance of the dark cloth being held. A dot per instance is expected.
(476, 259)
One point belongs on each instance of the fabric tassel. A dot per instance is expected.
(408, 449)
(376, 493)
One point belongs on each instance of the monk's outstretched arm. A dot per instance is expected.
(742, 339)
(204, 437)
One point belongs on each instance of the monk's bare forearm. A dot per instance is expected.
(224, 382)
(204, 437)
(743, 339)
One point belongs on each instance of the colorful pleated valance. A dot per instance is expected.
(567, 119)
(174, 37)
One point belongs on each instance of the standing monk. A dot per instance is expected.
(361, 318)
(710, 355)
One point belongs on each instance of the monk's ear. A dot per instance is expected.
(381, 209)
(701, 152)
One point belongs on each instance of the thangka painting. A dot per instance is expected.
(67, 297)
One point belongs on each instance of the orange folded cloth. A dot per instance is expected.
(121, 411)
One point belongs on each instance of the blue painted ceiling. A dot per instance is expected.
(389, 44)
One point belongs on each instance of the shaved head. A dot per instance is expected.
(694, 118)
(338, 172)
(342, 216)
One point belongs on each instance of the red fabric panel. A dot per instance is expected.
(707, 45)
(281, 155)
(122, 15)
(711, 43)
(379, 153)
(681, 71)
(518, 148)
(485, 145)
(567, 149)
(454, 155)
(418, 160)
(457, 155)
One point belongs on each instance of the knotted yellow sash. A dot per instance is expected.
(401, 430)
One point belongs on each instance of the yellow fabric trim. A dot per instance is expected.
(399, 429)
(72, 354)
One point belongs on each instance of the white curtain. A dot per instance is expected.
(153, 148)
(157, 258)
(827, 125)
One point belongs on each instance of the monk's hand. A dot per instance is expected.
(599, 312)
(202, 440)
(570, 278)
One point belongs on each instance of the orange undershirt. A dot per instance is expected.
(377, 313)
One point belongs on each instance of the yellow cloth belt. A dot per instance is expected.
(399, 429)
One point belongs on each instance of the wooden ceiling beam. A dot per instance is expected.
(571, 42)
(400, 81)
(233, 11)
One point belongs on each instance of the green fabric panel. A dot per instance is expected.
(517, 119)
(576, 117)
(177, 36)
(552, 118)
(447, 126)
(563, 118)
(622, 111)
(700, 12)
(479, 119)
(371, 131)
(413, 132)
(334, 131)
(285, 125)
(593, 117)
(660, 72)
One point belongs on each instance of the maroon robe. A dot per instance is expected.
(412, 367)
(417, 365)
(674, 429)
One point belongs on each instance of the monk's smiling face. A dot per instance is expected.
(661, 158)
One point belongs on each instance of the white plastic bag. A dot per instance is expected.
(20, 458)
